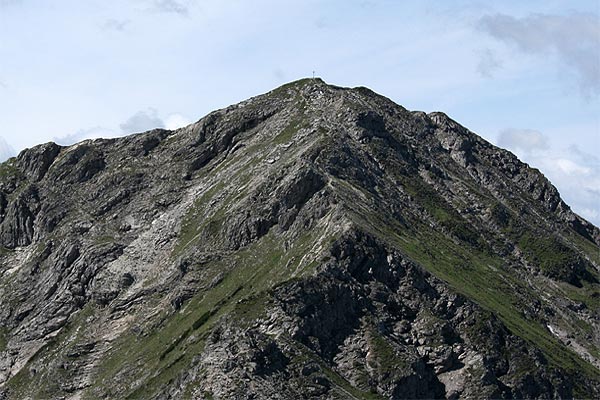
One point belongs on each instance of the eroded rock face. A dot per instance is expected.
(17, 228)
(36, 162)
(312, 242)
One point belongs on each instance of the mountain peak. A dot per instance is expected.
(313, 239)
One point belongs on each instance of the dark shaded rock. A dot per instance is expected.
(36, 162)
(17, 228)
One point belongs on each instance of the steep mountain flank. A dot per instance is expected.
(311, 242)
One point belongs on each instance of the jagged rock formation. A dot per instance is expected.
(312, 242)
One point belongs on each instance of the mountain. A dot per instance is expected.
(311, 242)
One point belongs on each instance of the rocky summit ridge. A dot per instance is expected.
(312, 242)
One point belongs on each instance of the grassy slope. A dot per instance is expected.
(473, 270)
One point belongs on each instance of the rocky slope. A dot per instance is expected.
(312, 242)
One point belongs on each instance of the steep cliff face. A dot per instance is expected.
(312, 242)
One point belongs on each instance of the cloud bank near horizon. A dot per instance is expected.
(573, 39)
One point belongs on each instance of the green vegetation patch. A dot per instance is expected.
(8, 170)
(290, 130)
(4, 251)
(554, 258)
(388, 362)
(195, 220)
(588, 294)
(479, 275)
(546, 250)
(299, 84)
(442, 212)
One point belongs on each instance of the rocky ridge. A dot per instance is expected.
(311, 242)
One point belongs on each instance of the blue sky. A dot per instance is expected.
(524, 75)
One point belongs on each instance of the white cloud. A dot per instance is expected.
(6, 151)
(569, 167)
(84, 134)
(176, 121)
(146, 120)
(142, 121)
(526, 140)
(574, 39)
